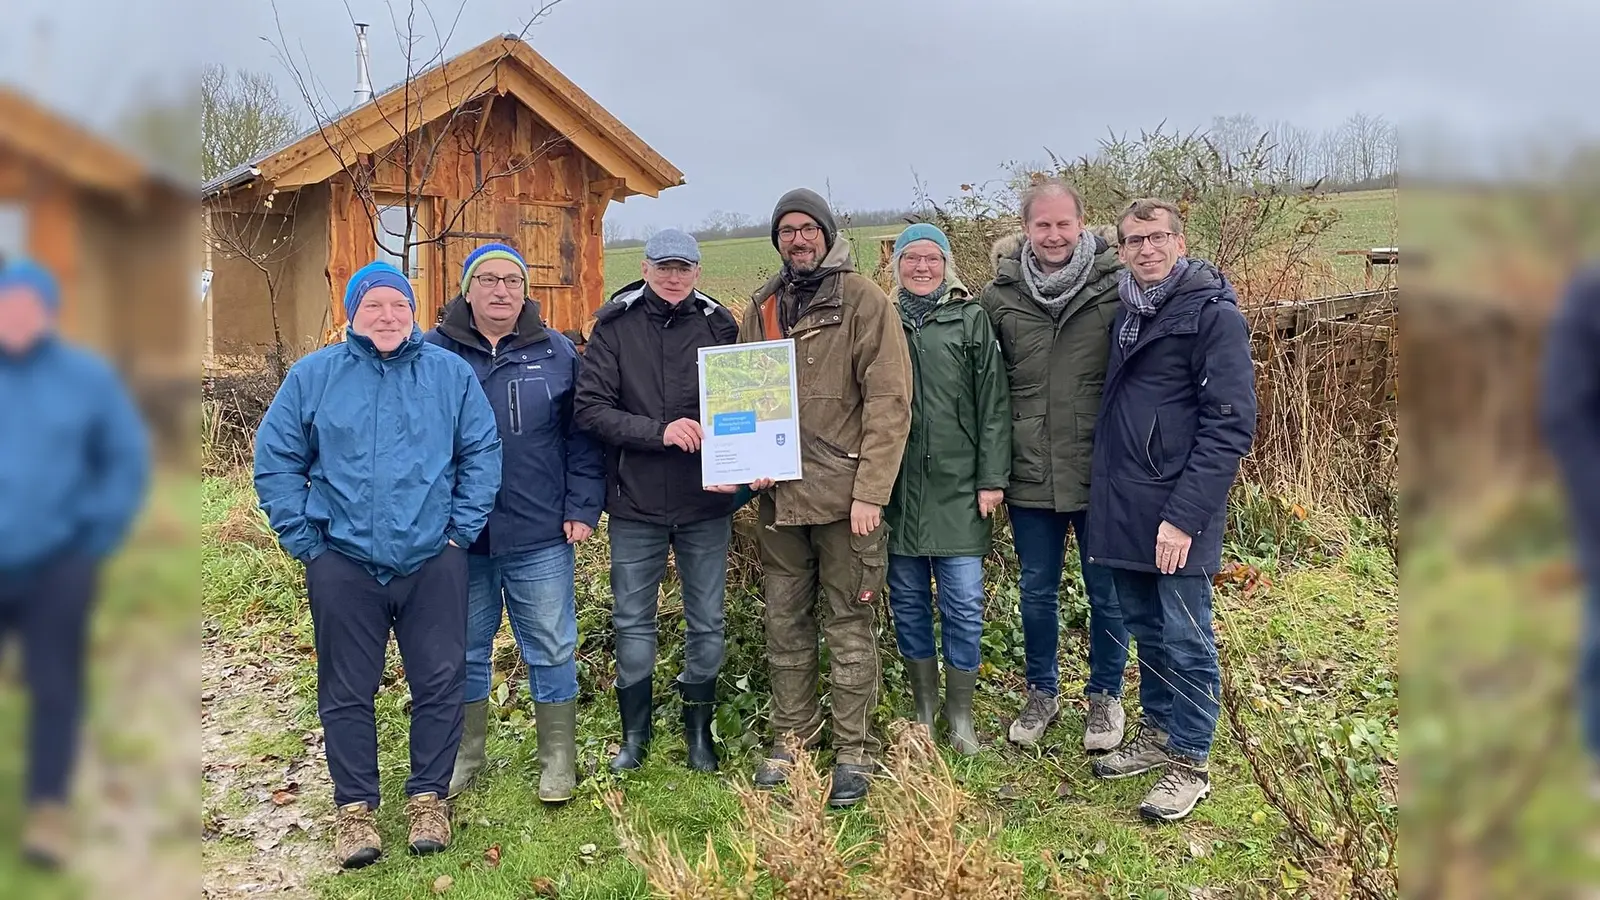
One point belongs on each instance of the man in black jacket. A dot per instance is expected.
(640, 395)
(1177, 415)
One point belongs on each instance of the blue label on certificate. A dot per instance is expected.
(733, 423)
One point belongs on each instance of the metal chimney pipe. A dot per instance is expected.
(363, 73)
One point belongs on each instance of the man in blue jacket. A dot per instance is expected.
(377, 465)
(1572, 429)
(1178, 413)
(640, 395)
(74, 466)
(523, 563)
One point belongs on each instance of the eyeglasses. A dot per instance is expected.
(809, 232)
(1157, 240)
(929, 261)
(512, 282)
(673, 270)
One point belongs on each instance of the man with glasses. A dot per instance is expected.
(826, 530)
(640, 395)
(523, 561)
(1179, 412)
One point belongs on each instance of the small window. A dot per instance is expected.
(393, 238)
(13, 230)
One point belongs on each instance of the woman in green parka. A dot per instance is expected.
(952, 477)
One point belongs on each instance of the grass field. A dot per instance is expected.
(1296, 624)
(733, 269)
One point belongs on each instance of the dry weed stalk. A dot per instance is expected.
(673, 877)
(794, 839)
(926, 847)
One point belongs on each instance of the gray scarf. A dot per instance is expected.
(1054, 290)
(1144, 302)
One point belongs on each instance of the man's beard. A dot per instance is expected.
(806, 267)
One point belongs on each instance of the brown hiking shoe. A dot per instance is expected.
(47, 840)
(1185, 784)
(355, 836)
(430, 824)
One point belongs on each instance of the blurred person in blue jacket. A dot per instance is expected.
(1572, 428)
(523, 564)
(377, 465)
(74, 467)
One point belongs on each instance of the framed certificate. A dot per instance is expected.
(750, 413)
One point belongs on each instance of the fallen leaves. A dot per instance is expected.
(1244, 576)
(492, 856)
(443, 883)
(543, 887)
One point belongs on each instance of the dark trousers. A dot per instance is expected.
(1041, 541)
(352, 614)
(48, 606)
(1180, 685)
(638, 563)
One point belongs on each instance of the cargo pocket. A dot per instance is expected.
(871, 552)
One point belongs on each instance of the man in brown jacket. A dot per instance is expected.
(826, 530)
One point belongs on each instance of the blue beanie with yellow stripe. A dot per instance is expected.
(490, 251)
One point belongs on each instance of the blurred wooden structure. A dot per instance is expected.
(1386, 257)
(502, 147)
(117, 233)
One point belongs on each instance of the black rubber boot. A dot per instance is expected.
(959, 687)
(699, 704)
(635, 703)
(924, 677)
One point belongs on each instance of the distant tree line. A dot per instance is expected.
(721, 225)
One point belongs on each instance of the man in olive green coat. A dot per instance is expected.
(826, 530)
(952, 478)
(1052, 303)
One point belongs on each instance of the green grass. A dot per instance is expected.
(1331, 608)
(732, 269)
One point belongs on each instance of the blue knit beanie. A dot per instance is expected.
(369, 276)
(922, 231)
(29, 274)
(490, 251)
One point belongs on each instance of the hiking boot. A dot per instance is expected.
(924, 677)
(634, 703)
(1186, 781)
(430, 824)
(1036, 716)
(1103, 728)
(959, 687)
(850, 784)
(699, 703)
(470, 757)
(1146, 752)
(355, 836)
(774, 770)
(556, 725)
(47, 837)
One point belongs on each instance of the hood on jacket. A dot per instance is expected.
(838, 259)
(457, 324)
(626, 296)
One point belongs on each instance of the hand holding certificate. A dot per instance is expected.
(749, 413)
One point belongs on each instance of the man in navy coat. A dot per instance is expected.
(1177, 415)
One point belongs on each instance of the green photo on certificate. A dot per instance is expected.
(750, 413)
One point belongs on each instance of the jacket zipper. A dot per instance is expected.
(1154, 469)
(516, 408)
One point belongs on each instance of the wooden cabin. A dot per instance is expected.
(491, 145)
(117, 233)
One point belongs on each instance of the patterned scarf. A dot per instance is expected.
(918, 307)
(1054, 290)
(1145, 302)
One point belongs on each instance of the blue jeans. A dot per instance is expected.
(960, 607)
(638, 563)
(536, 590)
(1179, 682)
(1041, 537)
(1589, 671)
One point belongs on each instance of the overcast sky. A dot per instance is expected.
(751, 98)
